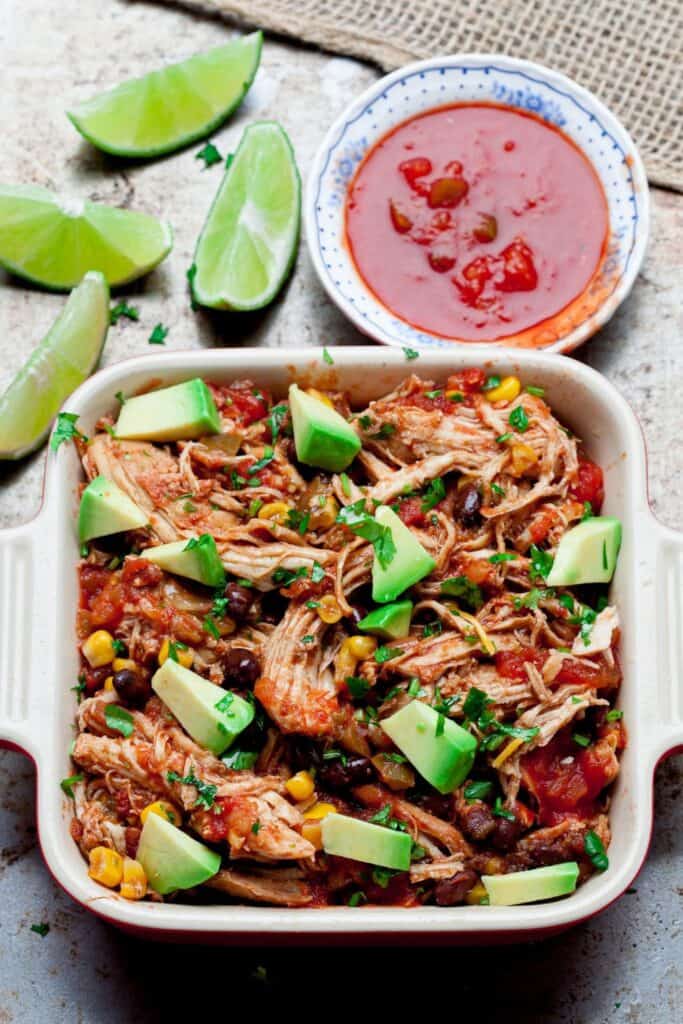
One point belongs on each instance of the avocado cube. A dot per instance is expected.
(106, 509)
(391, 622)
(182, 412)
(349, 837)
(173, 860)
(530, 886)
(213, 717)
(322, 437)
(587, 553)
(410, 563)
(440, 749)
(197, 559)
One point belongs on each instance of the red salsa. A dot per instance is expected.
(478, 222)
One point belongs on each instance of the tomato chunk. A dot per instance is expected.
(510, 664)
(575, 672)
(401, 222)
(519, 272)
(468, 381)
(565, 779)
(589, 485)
(410, 512)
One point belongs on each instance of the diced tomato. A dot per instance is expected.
(542, 524)
(417, 167)
(92, 579)
(590, 485)
(510, 664)
(396, 893)
(475, 275)
(441, 263)
(519, 272)
(410, 512)
(106, 609)
(468, 381)
(139, 572)
(401, 222)
(575, 672)
(565, 778)
(245, 404)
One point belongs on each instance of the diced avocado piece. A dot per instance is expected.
(197, 559)
(391, 622)
(179, 413)
(410, 562)
(361, 840)
(587, 553)
(443, 758)
(171, 859)
(531, 886)
(322, 437)
(213, 717)
(106, 509)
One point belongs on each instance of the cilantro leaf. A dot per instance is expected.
(411, 353)
(268, 455)
(317, 573)
(360, 522)
(118, 719)
(434, 493)
(158, 335)
(357, 686)
(66, 430)
(475, 704)
(385, 653)
(206, 792)
(491, 383)
(123, 309)
(240, 760)
(462, 587)
(386, 430)
(209, 154)
(519, 419)
(532, 599)
(328, 358)
(502, 812)
(297, 520)
(477, 791)
(276, 418)
(595, 850)
(41, 929)
(502, 556)
(67, 784)
(287, 576)
(541, 563)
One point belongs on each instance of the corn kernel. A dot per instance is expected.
(312, 831)
(523, 457)
(361, 646)
(476, 894)
(326, 515)
(314, 393)
(164, 809)
(109, 683)
(134, 884)
(319, 811)
(183, 655)
(275, 510)
(106, 866)
(118, 664)
(300, 786)
(328, 609)
(507, 390)
(506, 752)
(99, 648)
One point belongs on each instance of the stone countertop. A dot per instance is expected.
(624, 965)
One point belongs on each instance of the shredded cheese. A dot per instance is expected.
(509, 749)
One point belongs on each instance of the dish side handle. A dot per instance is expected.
(668, 637)
(22, 645)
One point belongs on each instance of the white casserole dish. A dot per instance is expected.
(39, 661)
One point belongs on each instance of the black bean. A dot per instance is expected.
(477, 822)
(439, 806)
(344, 771)
(304, 753)
(505, 834)
(467, 505)
(240, 600)
(131, 687)
(450, 891)
(240, 667)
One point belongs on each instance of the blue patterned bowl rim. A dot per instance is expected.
(475, 76)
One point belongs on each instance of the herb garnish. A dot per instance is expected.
(519, 419)
(595, 851)
(414, 687)
(497, 489)
(287, 576)
(476, 710)
(502, 812)
(67, 784)
(359, 521)
(66, 430)
(477, 791)
(209, 154)
(502, 556)
(491, 383)
(206, 792)
(118, 719)
(432, 629)
(41, 929)
(317, 572)
(327, 358)
(541, 563)
(614, 715)
(123, 309)
(356, 898)
(587, 511)
(531, 599)
(386, 430)
(434, 493)
(385, 653)
(357, 686)
(256, 827)
(531, 389)
(268, 455)
(410, 353)
(580, 739)
(298, 520)
(345, 485)
(276, 418)
(240, 760)
(158, 335)
(462, 587)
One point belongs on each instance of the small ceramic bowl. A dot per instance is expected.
(465, 78)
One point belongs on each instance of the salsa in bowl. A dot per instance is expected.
(477, 199)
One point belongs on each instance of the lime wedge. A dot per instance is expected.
(172, 107)
(53, 240)
(248, 243)
(62, 361)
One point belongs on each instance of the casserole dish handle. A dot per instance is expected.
(25, 601)
(666, 707)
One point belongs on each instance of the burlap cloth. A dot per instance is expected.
(628, 52)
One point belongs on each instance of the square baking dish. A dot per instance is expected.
(39, 661)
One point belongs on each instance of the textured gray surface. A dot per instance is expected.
(623, 966)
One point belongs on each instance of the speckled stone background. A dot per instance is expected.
(624, 966)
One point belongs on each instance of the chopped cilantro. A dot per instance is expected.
(298, 520)
(67, 784)
(497, 489)
(356, 898)
(206, 792)
(313, 604)
(276, 418)
(119, 648)
(503, 438)
(357, 686)
(434, 394)
(66, 430)
(211, 627)
(256, 827)
(541, 563)
(595, 851)
(567, 601)
(414, 687)
(236, 480)
(158, 335)
(587, 511)
(465, 589)
(385, 653)
(365, 421)
(502, 556)
(531, 389)
(188, 506)
(491, 383)
(614, 715)
(240, 760)
(327, 358)
(477, 791)
(411, 353)
(386, 430)
(502, 812)
(308, 639)
(123, 309)
(532, 599)
(434, 493)
(254, 506)
(287, 576)
(209, 154)
(580, 739)
(119, 397)
(190, 274)
(345, 485)
(519, 419)
(41, 929)
(174, 646)
(118, 719)
(317, 572)
(268, 455)
(432, 629)
(360, 522)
